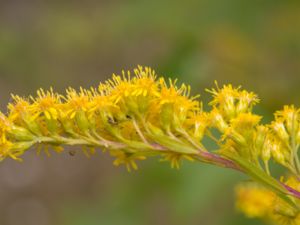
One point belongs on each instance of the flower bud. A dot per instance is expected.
(242, 106)
(52, 125)
(155, 130)
(298, 137)
(229, 107)
(82, 121)
(143, 103)
(289, 115)
(53, 112)
(32, 125)
(199, 130)
(280, 131)
(237, 137)
(277, 153)
(67, 125)
(246, 101)
(260, 137)
(266, 151)
(21, 134)
(166, 115)
(176, 122)
(131, 104)
(290, 120)
(219, 121)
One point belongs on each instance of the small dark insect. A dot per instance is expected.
(72, 153)
(128, 117)
(112, 121)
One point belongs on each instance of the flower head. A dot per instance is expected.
(18, 108)
(76, 101)
(254, 200)
(46, 103)
(144, 82)
(232, 101)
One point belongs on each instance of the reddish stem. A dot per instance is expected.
(211, 157)
(291, 190)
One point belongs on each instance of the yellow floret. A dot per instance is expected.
(254, 200)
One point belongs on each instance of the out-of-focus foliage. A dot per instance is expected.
(72, 43)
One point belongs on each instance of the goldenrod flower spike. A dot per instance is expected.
(139, 115)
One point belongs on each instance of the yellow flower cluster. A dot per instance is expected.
(130, 116)
(141, 115)
(254, 200)
(257, 201)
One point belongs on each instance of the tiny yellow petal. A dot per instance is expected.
(47, 115)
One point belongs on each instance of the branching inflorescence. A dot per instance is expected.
(135, 117)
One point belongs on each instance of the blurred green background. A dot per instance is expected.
(63, 43)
